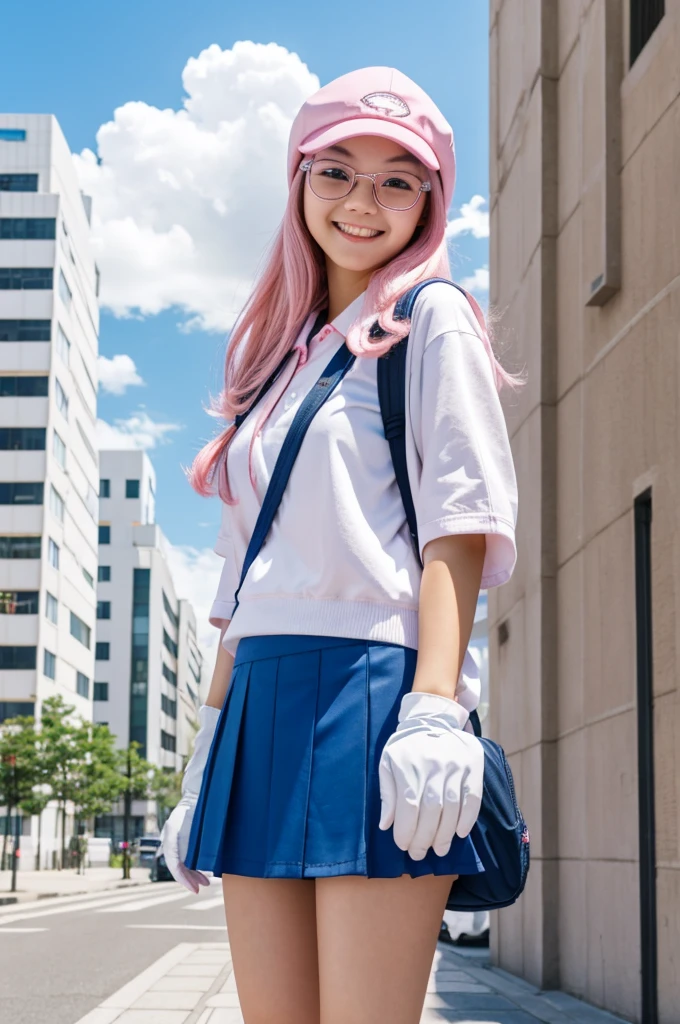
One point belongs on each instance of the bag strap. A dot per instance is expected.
(318, 324)
(322, 390)
(392, 396)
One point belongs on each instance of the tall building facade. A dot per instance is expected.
(148, 663)
(49, 324)
(585, 267)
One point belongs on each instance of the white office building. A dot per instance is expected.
(49, 323)
(148, 667)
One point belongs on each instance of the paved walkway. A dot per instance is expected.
(32, 885)
(194, 984)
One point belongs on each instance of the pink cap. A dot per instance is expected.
(375, 101)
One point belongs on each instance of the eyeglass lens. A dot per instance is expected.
(394, 190)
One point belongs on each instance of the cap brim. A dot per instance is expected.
(371, 126)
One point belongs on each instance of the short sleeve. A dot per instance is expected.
(467, 480)
(222, 607)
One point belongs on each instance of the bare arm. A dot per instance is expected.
(452, 573)
(221, 675)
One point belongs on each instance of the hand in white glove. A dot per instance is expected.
(431, 775)
(175, 834)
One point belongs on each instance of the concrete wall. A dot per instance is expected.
(585, 268)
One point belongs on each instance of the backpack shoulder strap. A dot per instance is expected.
(392, 397)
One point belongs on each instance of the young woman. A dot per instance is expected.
(334, 783)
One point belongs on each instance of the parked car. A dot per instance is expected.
(159, 871)
(143, 850)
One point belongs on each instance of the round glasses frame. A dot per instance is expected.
(306, 166)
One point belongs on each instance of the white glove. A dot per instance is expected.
(431, 775)
(175, 834)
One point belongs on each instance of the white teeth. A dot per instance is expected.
(348, 229)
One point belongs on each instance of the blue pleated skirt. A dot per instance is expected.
(290, 788)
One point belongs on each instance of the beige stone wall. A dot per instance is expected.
(585, 268)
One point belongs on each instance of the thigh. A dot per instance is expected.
(271, 924)
(376, 942)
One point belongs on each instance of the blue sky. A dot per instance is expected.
(82, 62)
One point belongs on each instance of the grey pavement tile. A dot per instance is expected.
(184, 970)
(168, 984)
(477, 1001)
(167, 1001)
(152, 1017)
(226, 1017)
(227, 999)
(541, 1010)
(576, 1009)
(441, 985)
(450, 975)
(445, 998)
(229, 984)
(480, 1016)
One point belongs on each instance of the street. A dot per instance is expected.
(62, 957)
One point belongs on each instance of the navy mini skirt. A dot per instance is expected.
(290, 788)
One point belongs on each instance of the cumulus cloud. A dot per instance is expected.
(185, 201)
(137, 431)
(477, 282)
(473, 220)
(196, 573)
(117, 374)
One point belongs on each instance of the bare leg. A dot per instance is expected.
(376, 943)
(272, 934)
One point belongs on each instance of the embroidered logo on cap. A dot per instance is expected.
(386, 103)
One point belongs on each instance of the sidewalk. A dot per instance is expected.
(194, 984)
(35, 885)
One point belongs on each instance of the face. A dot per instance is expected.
(389, 231)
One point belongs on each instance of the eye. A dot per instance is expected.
(395, 181)
(334, 173)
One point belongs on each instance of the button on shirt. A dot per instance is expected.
(338, 560)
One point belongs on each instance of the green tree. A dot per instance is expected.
(19, 769)
(64, 751)
(136, 773)
(166, 791)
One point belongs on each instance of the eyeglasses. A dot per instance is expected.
(331, 181)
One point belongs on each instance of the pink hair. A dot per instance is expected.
(292, 285)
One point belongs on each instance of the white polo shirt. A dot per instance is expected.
(338, 560)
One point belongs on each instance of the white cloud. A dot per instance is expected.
(473, 220)
(137, 431)
(117, 374)
(196, 573)
(478, 282)
(185, 201)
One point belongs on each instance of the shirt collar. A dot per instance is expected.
(344, 320)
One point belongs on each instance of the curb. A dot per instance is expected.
(32, 897)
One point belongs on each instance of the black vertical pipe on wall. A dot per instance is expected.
(645, 723)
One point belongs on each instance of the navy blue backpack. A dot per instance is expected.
(500, 834)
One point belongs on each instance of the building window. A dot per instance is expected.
(132, 488)
(168, 742)
(24, 330)
(59, 449)
(21, 493)
(18, 182)
(88, 577)
(63, 346)
(645, 15)
(61, 399)
(172, 615)
(53, 553)
(23, 387)
(169, 675)
(64, 290)
(102, 651)
(101, 691)
(20, 547)
(15, 708)
(13, 134)
(56, 504)
(82, 685)
(25, 278)
(18, 602)
(169, 706)
(104, 533)
(139, 672)
(169, 643)
(27, 227)
(22, 439)
(104, 488)
(18, 657)
(49, 664)
(103, 609)
(104, 574)
(80, 630)
(51, 607)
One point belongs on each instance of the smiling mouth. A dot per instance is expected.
(355, 232)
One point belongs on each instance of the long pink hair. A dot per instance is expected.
(291, 286)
